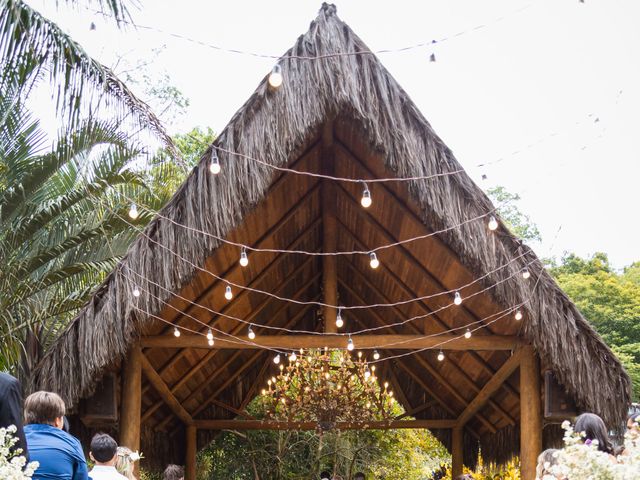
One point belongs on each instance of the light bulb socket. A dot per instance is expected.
(275, 77)
(214, 165)
(366, 199)
(457, 298)
(228, 293)
(244, 259)
(176, 332)
(373, 260)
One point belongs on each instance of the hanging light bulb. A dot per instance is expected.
(264, 392)
(440, 356)
(432, 57)
(209, 335)
(244, 260)
(251, 334)
(228, 294)
(467, 334)
(275, 77)
(493, 223)
(526, 273)
(136, 291)
(210, 342)
(133, 211)
(214, 165)
(176, 332)
(276, 359)
(457, 298)
(293, 357)
(339, 320)
(366, 200)
(367, 373)
(350, 345)
(376, 355)
(373, 260)
(518, 315)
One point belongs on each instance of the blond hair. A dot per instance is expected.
(546, 460)
(124, 462)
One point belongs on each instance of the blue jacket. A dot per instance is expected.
(59, 454)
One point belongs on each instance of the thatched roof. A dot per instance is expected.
(380, 132)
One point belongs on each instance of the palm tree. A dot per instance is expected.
(61, 225)
(32, 47)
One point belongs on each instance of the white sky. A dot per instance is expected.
(533, 81)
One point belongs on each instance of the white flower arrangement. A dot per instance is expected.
(582, 460)
(13, 466)
(134, 456)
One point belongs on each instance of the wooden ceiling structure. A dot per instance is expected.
(487, 390)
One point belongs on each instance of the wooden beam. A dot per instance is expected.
(276, 425)
(530, 414)
(206, 359)
(418, 409)
(438, 321)
(362, 342)
(238, 412)
(491, 386)
(131, 402)
(457, 451)
(191, 452)
(164, 392)
(329, 232)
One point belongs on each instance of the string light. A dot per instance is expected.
(339, 321)
(518, 315)
(467, 334)
(350, 345)
(493, 223)
(133, 211)
(366, 200)
(276, 359)
(376, 355)
(244, 260)
(251, 334)
(457, 298)
(275, 77)
(228, 294)
(136, 291)
(526, 273)
(176, 332)
(440, 356)
(210, 336)
(214, 165)
(432, 57)
(293, 357)
(367, 373)
(210, 342)
(373, 260)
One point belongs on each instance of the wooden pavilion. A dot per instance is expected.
(338, 112)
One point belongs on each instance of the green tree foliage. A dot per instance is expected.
(610, 301)
(518, 222)
(61, 224)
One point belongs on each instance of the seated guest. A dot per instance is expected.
(59, 454)
(325, 475)
(103, 452)
(11, 409)
(173, 472)
(593, 428)
(359, 476)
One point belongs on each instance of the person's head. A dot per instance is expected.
(44, 408)
(546, 460)
(173, 472)
(593, 428)
(359, 476)
(325, 475)
(633, 421)
(103, 449)
(124, 462)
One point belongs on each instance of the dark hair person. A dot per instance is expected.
(173, 472)
(59, 454)
(11, 409)
(594, 429)
(359, 476)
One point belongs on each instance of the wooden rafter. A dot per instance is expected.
(337, 341)
(416, 410)
(329, 231)
(491, 387)
(276, 425)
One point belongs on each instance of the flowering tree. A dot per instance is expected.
(13, 466)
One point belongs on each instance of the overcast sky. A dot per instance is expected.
(533, 81)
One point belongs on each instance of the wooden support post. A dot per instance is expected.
(457, 450)
(131, 400)
(191, 452)
(530, 414)
(329, 232)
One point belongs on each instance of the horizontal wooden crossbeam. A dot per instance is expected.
(396, 342)
(275, 425)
